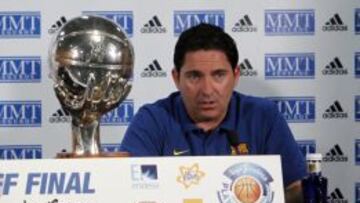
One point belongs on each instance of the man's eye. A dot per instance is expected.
(220, 75)
(193, 76)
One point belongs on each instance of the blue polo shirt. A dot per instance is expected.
(165, 129)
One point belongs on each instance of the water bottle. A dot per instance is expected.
(314, 185)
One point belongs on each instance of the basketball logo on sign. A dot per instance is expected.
(246, 183)
(247, 189)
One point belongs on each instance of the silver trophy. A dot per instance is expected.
(91, 62)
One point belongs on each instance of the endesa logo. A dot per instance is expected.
(20, 113)
(357, 21)
(296, 109)
(20, 24)
(120, 115)
(307, 146)
(357, 151)
(184, 20)
(20, 152)
(124, 19)
(144, 176)
(289, 22)
(357, 108)
(357, 64)
(20, 69)
(290, 66)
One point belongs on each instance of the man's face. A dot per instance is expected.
(206, 81)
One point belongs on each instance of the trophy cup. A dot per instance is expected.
(91, 62)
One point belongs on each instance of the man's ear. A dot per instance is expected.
(176, 77)
(237, 74)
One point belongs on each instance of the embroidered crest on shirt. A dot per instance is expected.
(240, 149)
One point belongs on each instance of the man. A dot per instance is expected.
(206, 116)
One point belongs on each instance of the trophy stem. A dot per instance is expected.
(86, 137)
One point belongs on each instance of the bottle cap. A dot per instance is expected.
(314, 157)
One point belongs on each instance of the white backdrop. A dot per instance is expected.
(304, 55)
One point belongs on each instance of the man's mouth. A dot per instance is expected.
(207, 104)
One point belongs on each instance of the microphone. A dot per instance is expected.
(237, 147)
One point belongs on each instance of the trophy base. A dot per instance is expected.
(70, 155)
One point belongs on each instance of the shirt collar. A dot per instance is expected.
(188, 125)
(185, 121)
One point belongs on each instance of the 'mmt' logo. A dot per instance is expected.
(20, 152)
(357, 108)
(357, 21)
(290, 66)
(120, 115)
(337, 197)
(289, 22)
(357, 151)
(307, 146)
(153, 26)
(335, 154)
(335, 111)
(357, 64)
(335, 23)
(357, 192)
(246, 69)
(20, 113)
(244, 25)
(153, 70)
(110, 147)
(124, 19)
(296, 109)
(20, 69)
(184, 20)
(335, 67)
(20, 24)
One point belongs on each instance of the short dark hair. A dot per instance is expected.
(205, 37)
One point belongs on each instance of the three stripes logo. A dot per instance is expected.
(244, 25)
(246, 69)
(335, 111)
(60, 116)
(335, 67)
(153, 70)
(337, 197)
(335, 23)
(153, 26)
(57, 25)
(335, 154)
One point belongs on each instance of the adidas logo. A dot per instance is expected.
(334, 24)
(60, 116)
(335, 111)
(246, 69)
(335, 155)
(57, 25)
(153, 26)
(244, 25)
(153, 70)
(335, 68)
(337, 197)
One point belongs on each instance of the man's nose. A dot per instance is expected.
(206, 86)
